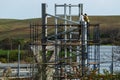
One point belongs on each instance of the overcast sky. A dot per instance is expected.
(24, 9)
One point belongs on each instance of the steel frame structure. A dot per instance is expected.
(73, 39)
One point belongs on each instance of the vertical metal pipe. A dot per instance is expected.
(44, 35)
(44, 40)
(56, 30)
(65, 27)
(70, 17)
(30, 33)
(80, 10)
(31, 39)
(8, 57)
(88, 45)
(94, 33)
(78, 55)
(79, 27)
(98, 58)
(33, 32)
(112, 60)
(81, 6)
(37, 33)
(18, 61)
(56, 50)
(98, 48)
(83, 48)
(95, 54)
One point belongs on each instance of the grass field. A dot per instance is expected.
(14, 28)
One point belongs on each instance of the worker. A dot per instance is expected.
(86, 19)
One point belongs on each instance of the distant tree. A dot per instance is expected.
(6, 44)
(110, 36)
(9, 43)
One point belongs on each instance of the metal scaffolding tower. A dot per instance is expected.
(76, 43)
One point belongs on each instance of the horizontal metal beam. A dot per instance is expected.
(91, 25)
(64, 32)
(69, 5)
(57, 17)
(67, 15)
(68, 43)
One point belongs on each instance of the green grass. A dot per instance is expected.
(3, 51)
(13, 55)
(14, 28)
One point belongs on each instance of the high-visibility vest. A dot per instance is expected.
(86, 18)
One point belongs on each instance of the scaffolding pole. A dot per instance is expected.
(44, 40)
(71, 54)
